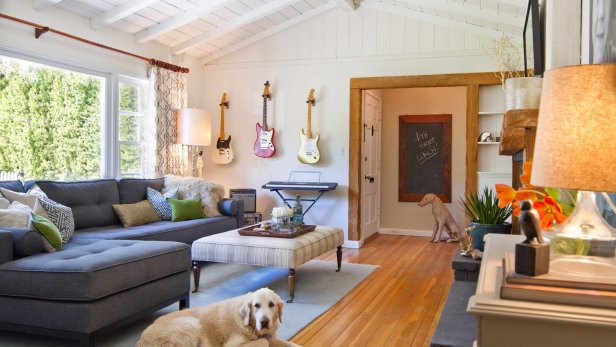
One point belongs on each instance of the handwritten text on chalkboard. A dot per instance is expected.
(427, 145)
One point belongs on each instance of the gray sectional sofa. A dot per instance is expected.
(107, 275)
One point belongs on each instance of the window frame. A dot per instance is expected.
(137, 82)
(110, 104)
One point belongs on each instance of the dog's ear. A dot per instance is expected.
(245, 311)
(279, 305)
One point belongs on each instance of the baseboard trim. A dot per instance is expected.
(353, 244)
(405, 232)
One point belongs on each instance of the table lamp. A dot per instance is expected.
(576, 149)
(194, 129)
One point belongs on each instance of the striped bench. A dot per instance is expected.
(232, 248)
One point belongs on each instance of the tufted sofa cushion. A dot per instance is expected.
(186, 231)
(133, 190)
(91, 201)
(87, 270)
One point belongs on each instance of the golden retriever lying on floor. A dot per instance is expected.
(250, 320)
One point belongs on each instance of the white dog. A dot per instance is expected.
(250, 320)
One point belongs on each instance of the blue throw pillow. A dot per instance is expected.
(159, 202)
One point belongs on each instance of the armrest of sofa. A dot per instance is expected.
(25, 242)
(233, 208)
(6, 246)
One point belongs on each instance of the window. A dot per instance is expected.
(58, 123)
(51, 121)
(132, 105)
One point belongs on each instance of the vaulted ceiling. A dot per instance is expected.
(204, 28)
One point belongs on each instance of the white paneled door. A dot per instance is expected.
(371, 164)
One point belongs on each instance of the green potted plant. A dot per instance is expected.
(486, 216)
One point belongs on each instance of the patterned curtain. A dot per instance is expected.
(169, 94)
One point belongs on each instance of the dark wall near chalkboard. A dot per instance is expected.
(425, 157)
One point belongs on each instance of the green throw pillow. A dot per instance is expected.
(49, 231)
(185, 209)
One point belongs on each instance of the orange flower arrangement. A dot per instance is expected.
(552, 205)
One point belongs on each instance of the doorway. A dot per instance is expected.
(357, 87)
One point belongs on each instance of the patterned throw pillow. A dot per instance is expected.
(159, 202)
(61, 216)
(132, 215)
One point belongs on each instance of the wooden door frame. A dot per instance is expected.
(471, 81)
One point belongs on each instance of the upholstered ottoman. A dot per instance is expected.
(231, 247)
(92, 284)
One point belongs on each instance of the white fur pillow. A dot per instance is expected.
(30, 200)
(197, 188)
(4, 203)
(17, 215)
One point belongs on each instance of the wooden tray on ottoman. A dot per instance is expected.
(255, 230)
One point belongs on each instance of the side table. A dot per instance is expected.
(513, 323)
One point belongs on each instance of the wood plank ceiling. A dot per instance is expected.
(210, 29)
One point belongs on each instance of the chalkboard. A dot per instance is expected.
(424, 157)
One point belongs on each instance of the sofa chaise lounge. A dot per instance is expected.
(106, 275)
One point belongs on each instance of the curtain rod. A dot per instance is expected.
(41, 29)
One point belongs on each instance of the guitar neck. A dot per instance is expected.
(265, 113)
(309, 126)
(222, 122)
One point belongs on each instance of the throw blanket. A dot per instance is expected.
(208, 192)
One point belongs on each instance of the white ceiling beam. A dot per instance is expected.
(347, 4)
(42, 5)
(271, 31)
(517, 3)
(119, 12)
(468, 11)
(235, 23)
(170, 24)
(429, 18)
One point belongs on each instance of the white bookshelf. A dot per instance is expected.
(492, 168)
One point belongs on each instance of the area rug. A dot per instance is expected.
(317, 288)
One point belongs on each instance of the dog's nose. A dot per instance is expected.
(264, 322)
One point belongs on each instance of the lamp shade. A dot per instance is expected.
(194, 127)
(575, 146)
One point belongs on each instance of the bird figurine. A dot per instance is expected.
(529, 222)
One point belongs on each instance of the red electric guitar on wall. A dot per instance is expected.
(264, 145)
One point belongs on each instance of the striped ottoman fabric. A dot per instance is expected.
(231, 247)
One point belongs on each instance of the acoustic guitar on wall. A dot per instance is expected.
(224, 152)
(264, 145)
(309, 149)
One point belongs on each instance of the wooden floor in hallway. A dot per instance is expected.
(399, 304)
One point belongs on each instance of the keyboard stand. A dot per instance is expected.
(319, 187)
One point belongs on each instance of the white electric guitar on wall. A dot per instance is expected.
(224, 152)
(309, 149)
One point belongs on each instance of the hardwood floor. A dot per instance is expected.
(399, 304)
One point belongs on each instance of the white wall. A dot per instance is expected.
(407, 218)
(324, 53)
(16, 37)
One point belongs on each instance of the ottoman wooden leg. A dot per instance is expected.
(291, 285)
(339, 257)
(196, 267)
